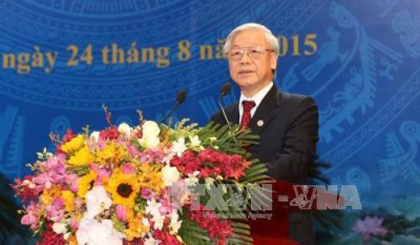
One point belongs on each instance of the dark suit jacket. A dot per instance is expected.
(288, 138)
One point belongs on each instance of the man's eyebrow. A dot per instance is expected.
(252, 45)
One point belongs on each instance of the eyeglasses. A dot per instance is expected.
(255, 53)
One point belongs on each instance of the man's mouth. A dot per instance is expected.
(242, 72)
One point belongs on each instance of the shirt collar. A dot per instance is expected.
(257, 98)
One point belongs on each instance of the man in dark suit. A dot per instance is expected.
(286, 123)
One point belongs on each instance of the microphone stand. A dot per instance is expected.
(180, 98)
(224, 91)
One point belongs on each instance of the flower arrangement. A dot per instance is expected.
(140, 185)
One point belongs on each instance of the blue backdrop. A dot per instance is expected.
(60, 60)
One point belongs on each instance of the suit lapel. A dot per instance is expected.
(232, 113)
(265, 111)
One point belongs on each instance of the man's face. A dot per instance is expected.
(251, 73)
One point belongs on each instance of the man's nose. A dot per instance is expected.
(245, 58)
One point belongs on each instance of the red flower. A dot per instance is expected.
(49, 237)
(218, 230)
(165, 238)
(211, 163)
(58, 150)
(23, 189)
(110, 133)
(68, 136)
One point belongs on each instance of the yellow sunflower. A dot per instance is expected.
(49, 195)
(150, 176)
(123, 188)
(86, 183)
(82, 157)
(72, 240)
(74, 144)
(112, 153)
(136, 228)
(69, 200)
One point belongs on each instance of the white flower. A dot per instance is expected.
(151, 241)
(209, 183)
(158, 221)
(92, 232)
(175, 222)
(149, 142)
(170, 175)
(179, 146)
(192, 179)
(59, 228)
(150, 135)
(152, 207)
(125, 129)
(168, 157)
(150, 129)
(94, 136)
(97, 200)
(145, 222)
(212, 138)
(195, 141)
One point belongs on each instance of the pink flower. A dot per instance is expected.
(151, 155)
(44, 179)
(74, 187)
(53, 171)
(31, 218)
(121, 213)
(166, 207)
(146, 193)
(369, 226)
(55, 211)
(133, 151)
(69, 178)
(102, 174)
(74, 224)
(128, 168)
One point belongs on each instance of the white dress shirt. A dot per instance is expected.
(257, 98)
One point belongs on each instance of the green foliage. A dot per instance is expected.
(232, 141)
(80, 171)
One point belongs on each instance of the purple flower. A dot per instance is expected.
(369, 226)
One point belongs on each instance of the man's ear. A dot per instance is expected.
(273, 60)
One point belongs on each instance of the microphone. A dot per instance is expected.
(180, 98)
(224, 91)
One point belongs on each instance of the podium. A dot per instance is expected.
(286, 198)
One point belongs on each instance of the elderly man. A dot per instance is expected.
(287, 123)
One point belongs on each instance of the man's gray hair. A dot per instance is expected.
(269, 37)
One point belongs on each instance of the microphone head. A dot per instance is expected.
(181, 96)
(225, 89)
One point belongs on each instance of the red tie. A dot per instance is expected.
(246, 116)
